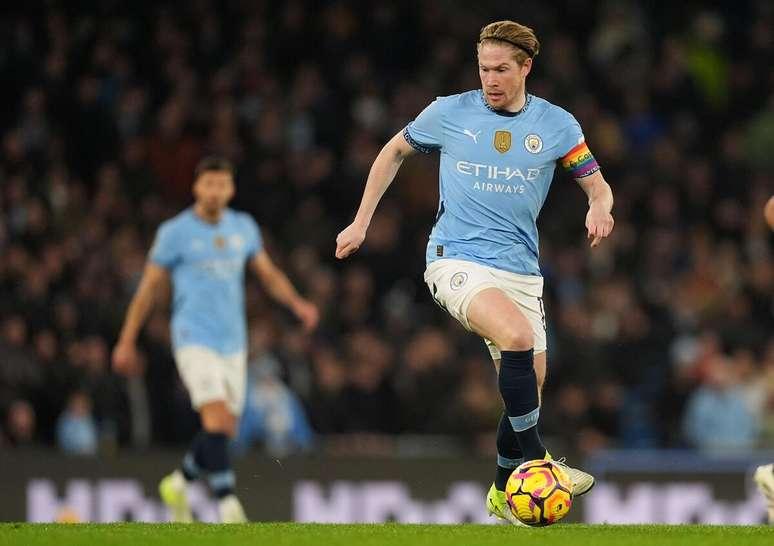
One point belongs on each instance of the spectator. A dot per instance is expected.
(20, 423)
(717, 415)
(76, 429)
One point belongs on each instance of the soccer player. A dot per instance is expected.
(764, 479)
(499, 146)
(764, 474)
(203, 251)
(768, 212)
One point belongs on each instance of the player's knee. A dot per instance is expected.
(217, 419)
(517, 338)
(230, 428)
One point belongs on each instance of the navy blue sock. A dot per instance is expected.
(518, 387)
(509, 454)
(212, 452)
(191, 467)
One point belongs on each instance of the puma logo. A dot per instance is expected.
(469, 133)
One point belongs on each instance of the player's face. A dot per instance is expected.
(502, 78)
(213, 190)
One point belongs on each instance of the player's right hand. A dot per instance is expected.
(349, 240)
(125, 359)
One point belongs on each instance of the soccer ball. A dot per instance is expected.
(539, 493)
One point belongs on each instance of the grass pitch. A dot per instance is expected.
(299, 534)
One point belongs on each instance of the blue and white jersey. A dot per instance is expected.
(495, 172)
(207, 264)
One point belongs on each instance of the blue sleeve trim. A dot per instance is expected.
(422, 148)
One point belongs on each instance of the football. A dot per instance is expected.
(539, 493)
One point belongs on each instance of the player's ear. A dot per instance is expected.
(195, 186)
(526, 67)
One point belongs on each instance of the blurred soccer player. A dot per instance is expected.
(204, 250)
(499, 146)
(764, 474)
(768, 212)
(764, 479)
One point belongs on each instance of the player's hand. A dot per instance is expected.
(307, 313)
(126, 360)
(349, 240)
(599, 224)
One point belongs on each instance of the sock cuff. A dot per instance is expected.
(191, 470)
(505, 462)
(517, 360)
(223, 480)
(518, 354)
(523, 422)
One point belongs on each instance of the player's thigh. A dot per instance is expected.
(201, 370)
(526, 292)
(454, 283)
(235, 377)
(495, 317)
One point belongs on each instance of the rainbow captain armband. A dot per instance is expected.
(579, 162)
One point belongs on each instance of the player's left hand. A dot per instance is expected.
(307, 313)
(599, 224)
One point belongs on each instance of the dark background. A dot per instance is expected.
(661, 337)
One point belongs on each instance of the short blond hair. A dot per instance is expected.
(522, 38)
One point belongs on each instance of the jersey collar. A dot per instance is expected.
(528, 99)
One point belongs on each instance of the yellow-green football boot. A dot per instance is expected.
(498, 507)
(173, 491)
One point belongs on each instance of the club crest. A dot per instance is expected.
(533, 143)
(458, 280)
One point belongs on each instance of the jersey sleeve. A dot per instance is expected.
(254, 239)
(165, 250)
(425, 133)
(577, 160)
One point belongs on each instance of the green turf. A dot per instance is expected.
(286, 534)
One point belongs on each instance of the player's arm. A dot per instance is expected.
(282, 290)
(382, 173)
(599, 220)
(154, 282)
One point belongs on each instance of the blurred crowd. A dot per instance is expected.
(662, 336)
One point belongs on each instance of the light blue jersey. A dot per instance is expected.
(495, 172)
(207, 265)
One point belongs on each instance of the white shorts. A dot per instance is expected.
(210, 376)
(453, 283)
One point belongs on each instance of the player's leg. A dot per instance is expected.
(509, 454)
(453, 285)
(198, 369)
(526, 294)
(492, 315)
(764, 479)
(221, 477)
(219, 424)
(204, 373)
